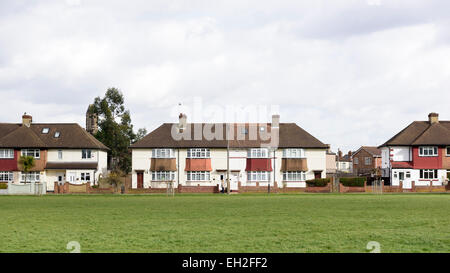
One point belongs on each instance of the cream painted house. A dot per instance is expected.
(252, 158)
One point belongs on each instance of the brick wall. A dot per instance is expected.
(257, 188)
(343, 189)
(325, 189)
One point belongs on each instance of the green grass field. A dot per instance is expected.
(217, 223)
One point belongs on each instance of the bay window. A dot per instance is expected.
(163, 176)
(198, 176)
(30, 177)
(198, 153)
(257, 176)
(294, 176)
(163, 153)
(428, 174)
(294, 153)
(6, 153)
(6, 176)
(428, 151)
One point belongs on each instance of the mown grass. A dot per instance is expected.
(217, 223)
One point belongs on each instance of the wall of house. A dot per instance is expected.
(400, 153)
(445, 159)
(316, 160)
(426, 162)
(10, 164)
(72, 155)
(362, 167)
(331, 163)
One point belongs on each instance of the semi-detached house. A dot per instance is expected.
(63, 152)
(419, 153)
(246, 156)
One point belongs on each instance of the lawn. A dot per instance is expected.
(217, 223)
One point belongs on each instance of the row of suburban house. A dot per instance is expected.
(203, 154)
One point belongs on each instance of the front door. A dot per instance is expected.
(317, 174)
(405, 182)
(234, 181)
(140, 180)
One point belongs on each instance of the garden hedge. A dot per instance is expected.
(321, 182)
(3, 186)
(352, 181)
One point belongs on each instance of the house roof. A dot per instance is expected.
(290, 135)
(374, 151)
(71, 136)
(422, 133)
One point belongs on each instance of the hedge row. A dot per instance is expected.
(321, 182)
(3, 186)
(352, 181)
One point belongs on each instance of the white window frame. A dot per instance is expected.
(198, 176)
(85, 153)
(258, 176)
(258, 153)
(6, 153)
(294, 176)
(163, 153)
(163, 176)
(60, 154)
(198, 153)
(31, 177)
(425, 174)
(36, 153)
(85, 176)
(6, 176)
(428, 151)
(294, 153)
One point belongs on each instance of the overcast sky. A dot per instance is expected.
(351, 72)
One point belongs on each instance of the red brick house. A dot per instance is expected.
(367, 161)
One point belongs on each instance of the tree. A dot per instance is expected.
(115, 128)
(26, 163)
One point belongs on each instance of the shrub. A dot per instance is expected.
(3, 186)
(321, 182)
(352, 181)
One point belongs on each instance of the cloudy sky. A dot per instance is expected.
(351, 72)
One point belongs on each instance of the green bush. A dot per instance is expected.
(3, 186)
(352, 181)
(321, 182)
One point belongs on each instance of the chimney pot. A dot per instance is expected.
(433, 118)
(27, 119)
(275, 121)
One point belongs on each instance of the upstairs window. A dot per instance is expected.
(163, 153)
(294, 153)
(356, 160)
(368, 161)
(428, 151)
(45, 130)
(6, 153)
(448, 151)
(258, 153)
(85, 154)
(198, 153)
(60, 154)
(36, 153)
(428, 174)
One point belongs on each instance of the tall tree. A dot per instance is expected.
(115, 128)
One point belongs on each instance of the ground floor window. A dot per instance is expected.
(6, 176)
(86, 177)
(30, 177)
(428, 174)
(198, 176)
(294, 176)
(257, 176)
(163, 176)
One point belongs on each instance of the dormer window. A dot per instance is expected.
(45, 130)
(57, 134)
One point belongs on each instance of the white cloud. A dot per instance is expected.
(349, 72)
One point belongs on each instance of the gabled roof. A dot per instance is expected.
(374, 151)
(422, 133)
(290, 136)
(71, 136)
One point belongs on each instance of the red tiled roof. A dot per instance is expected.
(402, 165)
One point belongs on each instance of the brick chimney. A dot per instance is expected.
(275, 121)
(27, 119)
(433, 118)
(182, 118)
